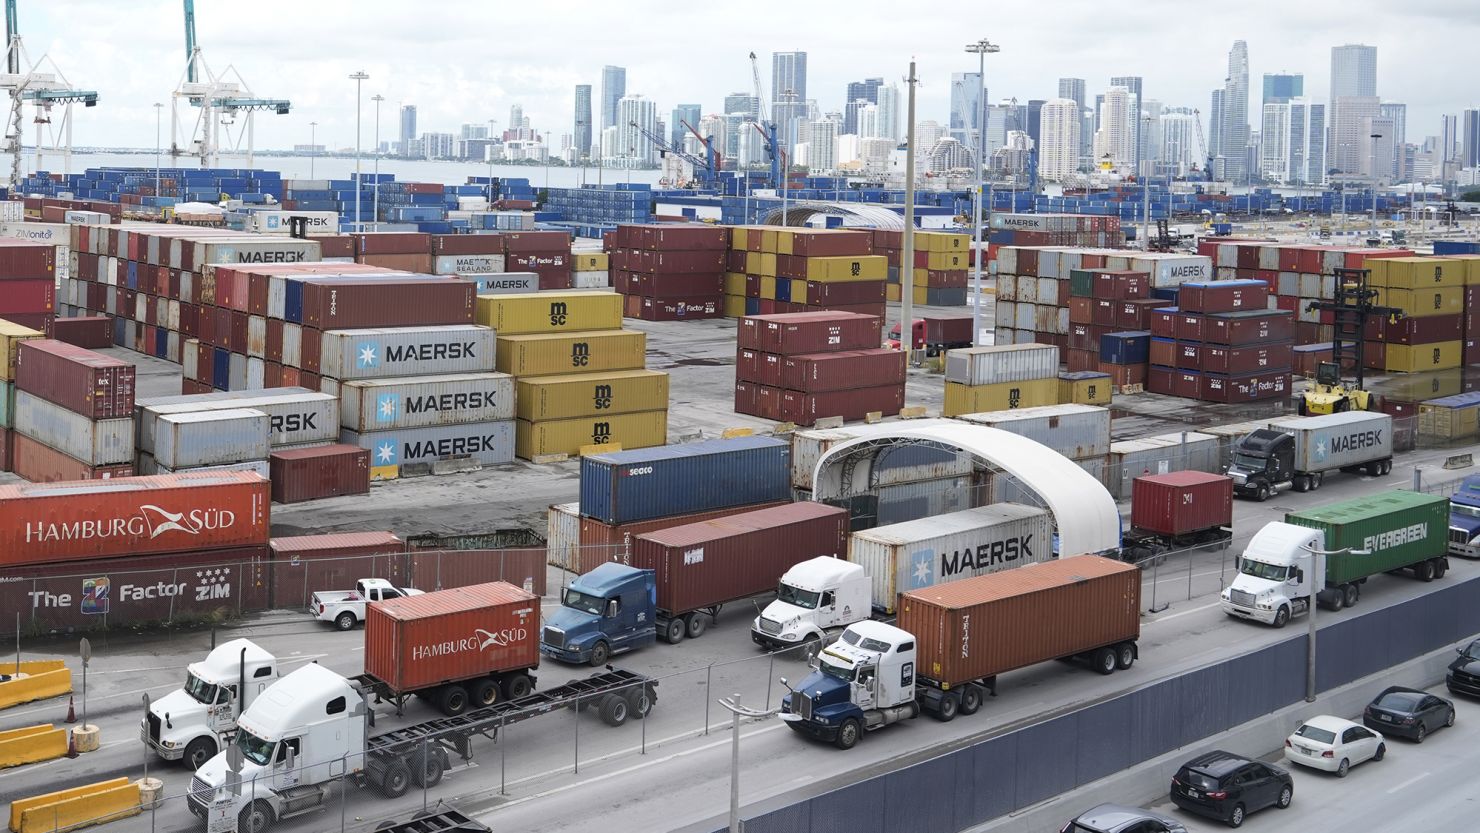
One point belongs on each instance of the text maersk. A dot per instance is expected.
(431, 352)
(450, 447)
(986, 555)
(428, 403)
(271, 257)
(1358, 440)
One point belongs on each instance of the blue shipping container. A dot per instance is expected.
(1126, 348)
(640, 485)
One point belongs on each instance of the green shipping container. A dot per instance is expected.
(1081, 283)
(1399, 528)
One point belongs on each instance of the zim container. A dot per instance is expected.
(806, 408)
(548, 354)
(643, 429)
(591, 394)
(1181, 502)
(1397, 528)
(550, 312)
(300, 474)
(387, 302)
(628, 486)
(91, 384)
(417, 642)
(810, 332)
(845, 370)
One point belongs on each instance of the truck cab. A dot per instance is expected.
(193, 723)
(812, 599)
(864, 681)
(607, 611)
(1262, 462)
(1276, 575)
(1464, 519)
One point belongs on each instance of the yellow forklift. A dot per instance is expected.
(1351, 307)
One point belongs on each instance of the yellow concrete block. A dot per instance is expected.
(32, 744)
(74, 808)
(38, 680)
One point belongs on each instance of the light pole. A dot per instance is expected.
(158, 115)
(313, 128)
(737, 712)
(907, 258)
(1145, 192)
(981, 48)
(1373, 162)
(1317, 584)
(375, 209)
(359, 78)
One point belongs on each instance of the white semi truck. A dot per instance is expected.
(815, 600)
(193, 722)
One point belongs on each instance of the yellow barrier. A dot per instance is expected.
(32, 744)
(40, 679)
(77, 807)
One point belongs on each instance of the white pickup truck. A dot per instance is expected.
(346, 608)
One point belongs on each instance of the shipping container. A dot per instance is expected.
(928, 551)
(1223, 296)
(504, 283)
(1450, 417)
(707, 564)
(550, 312)
(977, 628)
(147, 466)
(11, 336)
(894, 464)
(643, 429)
(404, 351)
(94, 442)
(295, 416)
(1185, 451)
(591, 394)
(600, 542)
(1337, 441)
(1075, 431)
(487, 443)
(91, 384)
(305, 564)
(795, 333)
(844, 370)
(208, 438)
(551, 354)
(416, 402)
(1180, 503)
(854, 404)
(1393, 529)
(439, 569)
(39, 463)
(467, 264)
(975, 366)
(964, 399)
(563, 536)
(324, 471)
(628, 486)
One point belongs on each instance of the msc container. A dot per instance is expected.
(1163, 454)
(550, 312)
(295, 416)
(628, 486)
(591, 394)
(384, 404)
(550, 354)
(446, 636)
(11, 336)
(1075, 431)
(1450, 417)
(41, 464)
(324, 471)
(975, 366)
(1337, 441)
(704, 565)
(95, 442)
(1397, 528)
(1181, 502)
(844, 370)
(973, 399)
(488, 443)
(980, 627)
(563, 536)
(405, 351)
(567, 436)
(788, 334)
(51, 522)
(973, 542)
(600, 542)
(94, 385)
(207, 438)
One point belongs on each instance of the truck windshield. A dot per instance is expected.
(1464, 510)
(254, 749)
(584, 602)
(837, 672)
(1260, 569)
(1248, 461)
(852, 638)
(796, 596)
(201, 690)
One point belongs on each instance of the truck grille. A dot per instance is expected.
(1458, 536)
(554, 638)
(201, 791)
(801, 704)
(1465, 678)
(770, 626)
(153, 727)
(1241, 598)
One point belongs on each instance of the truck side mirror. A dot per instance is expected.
(291, 758)
(611, 609)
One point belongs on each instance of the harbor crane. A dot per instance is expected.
(42, 85)
(706, 170)
(222, 101)
(767, 127)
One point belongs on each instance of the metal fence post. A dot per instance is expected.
(1155, 576)
(1189, 573)
(1418, 478)
(577, 713)
(425, 750)
(708, 678)
(503, 759)
(770, 675)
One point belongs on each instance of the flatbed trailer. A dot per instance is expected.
(442, 819)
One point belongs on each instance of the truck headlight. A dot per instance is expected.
(790, 636)
(168, 744)
(822, 720)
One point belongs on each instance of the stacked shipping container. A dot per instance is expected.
(1222, 344)
(1001, 377)
(28, 277)
(73, 413)
(11, 337)
(1438, 305)
(802, 367)
(940, 268)
(670, 272)
(772, 270)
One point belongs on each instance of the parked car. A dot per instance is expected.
(346, 608)
(1226, 786)
(1408, 712)
(1464, 672)
(1117, 818)
(1333, 744)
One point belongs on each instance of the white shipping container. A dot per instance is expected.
(277, 297)
(189, 364)
(280, 221)
(1312, 286)
(930, 551)
(1287, 284)
(1269, 257)
(406, 351)
(147, 466)
(1002, 335)
(103, 442)
(460, 264)
(12, 210)
(1166, 269)
(808, 446)
(210, 438)
(1075, 431)
(1006, 288)
(256, 373)
(247, 249)
(415, 402)
(1006, 312)
(293, 345)
(592, 279)
(489, 443)
(563, 536)
(57, 234)
(1025, 316)
(504, 283)
(1002, 363)
(1007, 260)
(1129, 459)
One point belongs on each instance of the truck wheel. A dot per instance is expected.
(1349, 595)
(848, 734)
(600, 653)
(396, 779)
(1441, 566)
(946, 711)
(518, 687)
(674, 631)
(485, 692)
(1263, 493)
(427, 771)
(1282, 617)
(199, 751)
(614, 710)
(1317, 479)
(696, 624)
(971, 699)
(1373, 469)
(1387, 467)
(255, 817)
(640, 701)
(1302, 483)
(1125, 656)
(1103, 660)
(452, 700)
(345, 621)
(1424, 570)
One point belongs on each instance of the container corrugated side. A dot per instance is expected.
(1075, 431)
(295, 416)
(11, 336)
(567, 436)
(601, 542)
(405, 351)
(1181, 502)
(208, 438)
(97, 443)
(1158, 455)
(323, 471)
(451, 635)
(808, 447)
(419, 401)
(1397, 528)
(1002, 363)
(41, 463)
(550, 354)
(591, 394)
(550, 312)
(563, 535)
(92, 384)
(1333, 441)
(489, 443)
(631, 486)
(921, 553)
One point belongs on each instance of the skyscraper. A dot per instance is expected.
(583, 121)
(1280, 87)
(966, 108)
(1178, 151)
(408, 127)
(1114, 141)
(1236, 114)
(1449, 139)
(1275, 144)
(1058, 154)
(681, 113)
(1353, 71)
(1316, 136)
(1073, 89)
(613, 87)
(1398, 114)
(632, 147)
(1035, 121)
(1470, 138)
(866, 90)
(823, 137)
(745, 103)
(1133, 84)
(889, 112)
(1349, 134)
(788, 93)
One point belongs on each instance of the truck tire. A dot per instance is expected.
(518, 686)
(1441, 566)
(695, 624)
(427, 771)
(1373, 469)
(673, 631)
(640, 701)
(1387, 467)
(1282, 616)
(1125, 656)
(971, 698)
(1317, 479)
(600, 653)
(452, 700)
(255, 817)
(1263, 493)
(1103, 660)
(848, 734)
(1424, 570)
(345, 621)
(485, 692)
(614, 710)
(945, 712)
(198, 751)
(1349, 595)
(396, 779)
(1302, 483)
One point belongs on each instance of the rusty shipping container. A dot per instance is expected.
(300, 474)
(387, 302)
(439, 569)
(305, 564)
(602, 542)
(706, 564)
(980, 627)
(91, 331)
(845, 370)
(1181, 502)
(446, 636)
(91, 384)
(40, 463)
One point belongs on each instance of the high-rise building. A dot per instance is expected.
(633, 148)
(866, 90)
(1149, 142)
(1449, 139)
(823, 137)
(927, 133)
(1470, 138)
(613, 88)
(516, 118)
(1314, 117)
(1178, 141)
(1377, 148)
(1353, 71)
(1073, 89)
(1349, 135)
(1236, 114)
(1058, 153)
(583, 121)
(889, 112)
(1215, 125)
(788, 93)
(867, 122)
(1280, 87)
(745, 103)
(437, 145)
(1035, 121)
(1398, 115)
(1275, 143)
(966, 107)
(408, 128)
(1115, 141)
(1133, 83)
(678, 134)
(472, 130)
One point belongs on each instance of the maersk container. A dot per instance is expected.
(912, 501)
(419, 401)
(405, 351)
(628, 486)
(295, 416)
(1187, 451)
(1396, 529)
(896, 465)
(929, 551)
(1075, 431)
(1004, 363)
(1336, 441)
(100, 442)
(210, 438)
(489, 443)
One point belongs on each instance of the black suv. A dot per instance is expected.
(1228, 787)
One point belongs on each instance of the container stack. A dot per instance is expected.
(11, 337)
(580, 376)
(590, 270)
(1082, 230)
(1078, 432)
(802, 367)
(1431, 335)
(773, 270)
(1223, 344)
(1101, 301)
(1000, 378)
(1129, 459)
(670, 272)
(28, 272)
(942, 260)
(1124, 356)
(74, 413)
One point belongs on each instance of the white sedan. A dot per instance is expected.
(1333, 744)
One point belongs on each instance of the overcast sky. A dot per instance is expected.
(462, 61)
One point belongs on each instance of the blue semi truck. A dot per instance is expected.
(1464, 519)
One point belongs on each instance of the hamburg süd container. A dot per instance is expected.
(295, 416)
(405, 351)
(591, 394)
(550, 312)
(209, 438)
(1395, 528)
(488, 443)
(1075, 431)
(323, 471)
(548, 354)
(1181, 502)
(628, 486)
(91, 384)
(95, 442)
(974, 366)
(446, 636)
(419, 401)
(567, 436)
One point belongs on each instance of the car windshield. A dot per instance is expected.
(1464, 510)
(1261, 569)
(837, 672)
(201, 690)
(1398, 701)
(1472, 651)
(254, 749)
(584, 602)
(1316, 734)
(1245, 461)
(852, 638)
(797, 596)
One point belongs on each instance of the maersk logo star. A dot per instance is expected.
(385, 453)
(385, 407)
(368, 358)
(921, 572)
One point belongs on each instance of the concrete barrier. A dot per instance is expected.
(32, 744)
(78, 807)
(38, 680)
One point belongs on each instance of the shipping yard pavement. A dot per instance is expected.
(528, 780)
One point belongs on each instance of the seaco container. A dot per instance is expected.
(295, 416)
(973, 542)
(1181, 502)
(210, 438)
(983, 626)
(91, 384)
(550, 312)
(417, 402)
(406, 351)
(300, 474)
(975, 366)
(445, 636)
(591, 394)
(1075, 431)
(67, 521)
(95, 442)
(1397, 528)
(628, 486)
(547, 354)
(706, 564)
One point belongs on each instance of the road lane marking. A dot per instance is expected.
(1410, 782)
(1187, 611)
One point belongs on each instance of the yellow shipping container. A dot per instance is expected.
(936, 241)
(768, 287)
(734, 306)
(738, 237)
(550, 312)
(891, 292)
(566, 436)
(11, 335)
(760, 263)
(1449, 422)
(1095, 391)
(971, 399)
(844, 269)
(549, 354)
(1422, 303)
(590, 262)
(734, 283)
(591, 394)
(946, 260)
(1416, 272)
(1444, 355)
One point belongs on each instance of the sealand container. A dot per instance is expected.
(378, 353)
(324, 471)
(1396, 528)
(1075, 431)
(1182, 502)
(548, 354)
(591, 394)
(563, 536)
(598, 543)
(704, 565)
(550, 312)
(844, 370)
(91, 384)
(897, 464)
(39, 463)
(11, 336)
(94, 442)
(295, 415)
(980, 627)
(464, 264)
(643, 429)
(487, 443)
(419, 401)
(976, 366)
(210, 438)
(417, 642)
(305, 564)
(920, 553)
(627, 486)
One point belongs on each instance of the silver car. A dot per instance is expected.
(1117, 818)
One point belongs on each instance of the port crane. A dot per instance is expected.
(43, 85)
(706, 170)
(222, 100)
(767, 128)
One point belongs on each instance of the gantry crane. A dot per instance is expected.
(706, 171)
(28, 82)
(221, 99)
(1202, 147)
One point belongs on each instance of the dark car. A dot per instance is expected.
(1408, 712)
(1228, 787)
(1117, 818)
(1464, 672)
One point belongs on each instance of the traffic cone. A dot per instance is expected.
(71, 710)
(71, 746)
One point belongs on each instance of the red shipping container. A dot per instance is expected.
(40, 463)
(1159, 380)
(416, 642)
(88, 383)
(947, 329)
(602, 542)
(743, 555)
(681, 309)
(1081, 310)
(1077, 360)
(555, 279)
(391, 243)
(237, 340)
(1471, 351)
(768, 403)
(747, 397)
(1236, 361)
(1217, 387)
(1164, 322)
(27, 296)
(1134, 315)
(806, 408)
(1085, 337)
(273, 351)
(1189, 326)
(678, 237)
(848, 369)
(829, 243)
(687, 285)
(747, 365)
(812, 332)
(1189, 355)
(537, 261)
(395, 302)
(22, 260)
(1223, 296)
(300, 474)
(526, 242)
(1181, 502)
(1410, 331)
(677, 262)
(303, 564)
(1243, 328)
(1306, 358)
(92, 331)
(466, 244)
(1103, 312)
(1187, 383)
(1122, 284)
(851, 293)
(1123, 374)
(1163, 352)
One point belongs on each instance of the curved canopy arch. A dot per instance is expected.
(853, 214)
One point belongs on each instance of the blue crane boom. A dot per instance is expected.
(704, 170)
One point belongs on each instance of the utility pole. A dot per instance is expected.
(907, 259)
(375, 209)
(313, 128)
(981, 48)
(1373, 163)
(359, 78)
